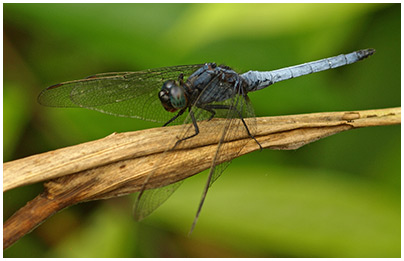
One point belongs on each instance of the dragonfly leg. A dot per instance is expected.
(212, 107)
(175, 117)
(191, 113)
(208, 109)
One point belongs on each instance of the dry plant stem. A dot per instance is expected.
(119, 163)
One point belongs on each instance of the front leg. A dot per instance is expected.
(191, 113)
(175, 117)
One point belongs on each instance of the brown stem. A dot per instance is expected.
(120, 163)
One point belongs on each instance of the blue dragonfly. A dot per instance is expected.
(195, 93)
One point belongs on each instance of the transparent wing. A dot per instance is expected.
(150, 200)
(233, 129)
(238, 107)
(124, 94)
(242, 109)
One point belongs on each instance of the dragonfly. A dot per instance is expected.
(199, 91)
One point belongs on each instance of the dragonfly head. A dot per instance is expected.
(172, 96)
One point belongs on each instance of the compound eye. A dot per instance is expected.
(164, 96)
(177, 97)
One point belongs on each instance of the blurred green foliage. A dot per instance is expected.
(339, 197)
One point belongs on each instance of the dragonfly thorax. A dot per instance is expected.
(172, 96)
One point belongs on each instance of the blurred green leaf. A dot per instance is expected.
(258, 20)
(338, 197)
(291, 212)
(15, 117)
(117, 238)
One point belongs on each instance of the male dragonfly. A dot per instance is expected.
(203, 90)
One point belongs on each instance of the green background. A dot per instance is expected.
(338, 197)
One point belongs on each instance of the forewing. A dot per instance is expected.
(149, 200)
(125, 94)
(225, 130)
(233, 129)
